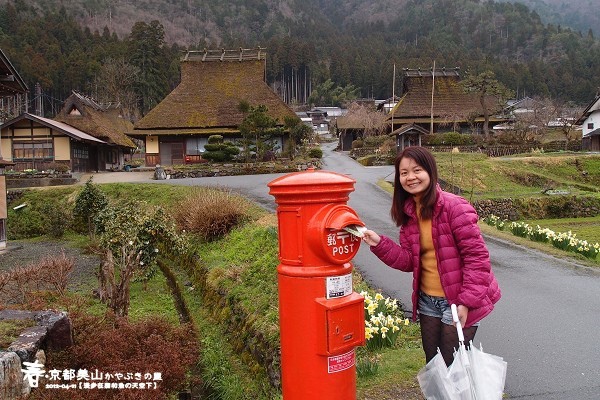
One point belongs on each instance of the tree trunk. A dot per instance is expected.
(486, 117)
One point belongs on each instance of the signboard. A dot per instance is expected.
(341, 362)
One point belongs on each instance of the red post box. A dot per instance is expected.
(321, 317)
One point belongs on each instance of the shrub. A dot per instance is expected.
(27, 222)
(130, 235)
(448, 139)
(376, 140)
(218, 151)
(58, 167)
(215, 139)
(57, 218)
(315, 152)
(89, 203)
(50, 273)
(211, 213)
(114, 346)
(358, 143)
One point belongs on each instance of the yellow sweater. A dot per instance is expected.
(430, 277)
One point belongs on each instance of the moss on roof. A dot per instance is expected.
(104, 123)
(449, 99)
(209, 96)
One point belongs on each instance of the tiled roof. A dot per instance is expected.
(209, 96)
(409, 128)
(104, 123)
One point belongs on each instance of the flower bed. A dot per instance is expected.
(566, 241)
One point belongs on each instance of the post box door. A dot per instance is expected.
(345, 325)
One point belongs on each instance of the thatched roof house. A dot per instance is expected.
(206, 102)
(13, 90)
(102, 122)
(450, 108)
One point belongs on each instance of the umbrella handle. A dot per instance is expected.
(461, 336)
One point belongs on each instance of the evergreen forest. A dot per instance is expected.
(128, 51)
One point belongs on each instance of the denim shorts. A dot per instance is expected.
(436, 307)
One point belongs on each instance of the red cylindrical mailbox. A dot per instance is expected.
(321, 317)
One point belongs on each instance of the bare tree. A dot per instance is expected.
(565, 114)
(115, 84)
(531, 121)
(487, 87)
(372, 121)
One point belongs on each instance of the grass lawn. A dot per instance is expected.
(482, 177)
(585, 228)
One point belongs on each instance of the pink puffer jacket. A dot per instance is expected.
(462, 257)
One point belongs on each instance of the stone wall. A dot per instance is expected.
(559, 206)
(204, 170)
(52, 331)
(38, 180)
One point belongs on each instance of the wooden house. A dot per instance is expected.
(435, 100)
(13, 98)
(207, 102)
(348, 130)
(13, 90)
(590, 124)
(33, 142)
(103, 122)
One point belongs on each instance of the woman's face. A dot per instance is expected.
(413, 178)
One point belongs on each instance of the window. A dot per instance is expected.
(590, 125)
(31, 150)
(195, 146)
(80, 152)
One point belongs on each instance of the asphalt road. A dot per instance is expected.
(547, 324)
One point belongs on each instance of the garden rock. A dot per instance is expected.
(11, 377)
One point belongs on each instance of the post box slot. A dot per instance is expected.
(342, 217)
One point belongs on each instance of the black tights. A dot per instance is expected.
(434, 334)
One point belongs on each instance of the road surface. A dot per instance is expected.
(547, 324)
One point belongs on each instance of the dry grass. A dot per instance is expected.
(211, 213)
(20, 284)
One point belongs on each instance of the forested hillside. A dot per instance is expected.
(67, 45)
(581, 15)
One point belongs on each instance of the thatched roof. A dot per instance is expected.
(450, 102)
(102, 122)
(347, 122)
(208, 98)
(11, 82)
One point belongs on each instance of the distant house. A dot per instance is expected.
(348, 130)
(448, 108)
(205, 103)
(408, 135)
(526, 105)
(590, 124)
(103, 122)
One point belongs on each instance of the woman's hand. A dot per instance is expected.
(371, 238)
(463, 313)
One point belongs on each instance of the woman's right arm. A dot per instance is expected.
(388, 251)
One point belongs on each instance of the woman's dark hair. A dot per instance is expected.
(426, 160)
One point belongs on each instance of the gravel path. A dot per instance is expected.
(22, 253)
